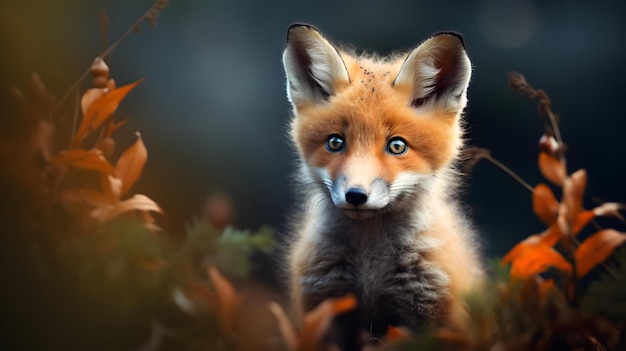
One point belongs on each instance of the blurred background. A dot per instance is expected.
(213, 111)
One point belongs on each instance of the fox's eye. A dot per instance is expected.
(397, 146)
(335, 143)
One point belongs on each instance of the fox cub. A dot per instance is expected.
(378, 138)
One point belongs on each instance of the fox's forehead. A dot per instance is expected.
(368, 72)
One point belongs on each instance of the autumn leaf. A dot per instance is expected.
(528, 259)
(98, 111)
(111, 187)
(138, 202)
(89, 97)
(318, 320)
(397, 334)
(227, 298)
(112, 126)
(130, 164)
(596, 248)
(548, 237)
(545, 205)
(84, 159)
(572, 215)
(552, 168)
(285, 328)
(610, 209)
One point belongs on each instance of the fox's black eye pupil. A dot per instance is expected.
(397, 146)
(334, 143)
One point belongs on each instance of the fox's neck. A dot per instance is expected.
(399, 224)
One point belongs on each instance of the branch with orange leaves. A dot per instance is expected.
(104, 202)
(149, 16)
(565, 219)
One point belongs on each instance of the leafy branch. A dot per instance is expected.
(150, 16)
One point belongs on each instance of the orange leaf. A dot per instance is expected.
(84, 159)
(136, 203)
(228, 300)
(572, 215)
(100, 110)
(529, 259)
(130, 164)
(545, 205)
(548, 237)
(397, 334)
(317, 321)
(596, 248)
(581, 221)
(89, 97)
(552, 168)
(286, 329)
(111, 187)
(111, 127)
(610, 209)
(573, 191)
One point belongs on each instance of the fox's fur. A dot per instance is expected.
(376, 222)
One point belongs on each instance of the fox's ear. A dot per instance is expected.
(313, 66)
(437, 73)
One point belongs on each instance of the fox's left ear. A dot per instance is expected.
(313, 66)
(437, 73)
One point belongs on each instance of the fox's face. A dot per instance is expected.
(375, 132)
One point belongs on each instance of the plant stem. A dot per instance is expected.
(106, 53)
(509, 172)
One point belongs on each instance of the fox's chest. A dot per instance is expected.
(393, 281)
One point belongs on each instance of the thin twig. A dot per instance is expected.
(147, 16)
(75, 118)
(509, 172)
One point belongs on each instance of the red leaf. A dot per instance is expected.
(89, 97)
(228, 300)
(84, 159)
(529, 259)
(98, 111)
(111, 127)
(286, 329)
(610, 209)
(545, 205)
(572, 215)
(136, 203)
(130, 164)
(552, 168)
(317, 321)
(397, 334)
(111, 187)
(548, 237)
(597, 248)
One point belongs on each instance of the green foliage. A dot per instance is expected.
(230, 251)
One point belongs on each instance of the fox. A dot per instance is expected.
(379, 140)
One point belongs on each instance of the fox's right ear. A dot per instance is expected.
(314, 68)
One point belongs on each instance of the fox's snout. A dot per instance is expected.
(362, 196)
(356, 196)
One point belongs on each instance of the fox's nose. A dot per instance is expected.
(356, 196)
